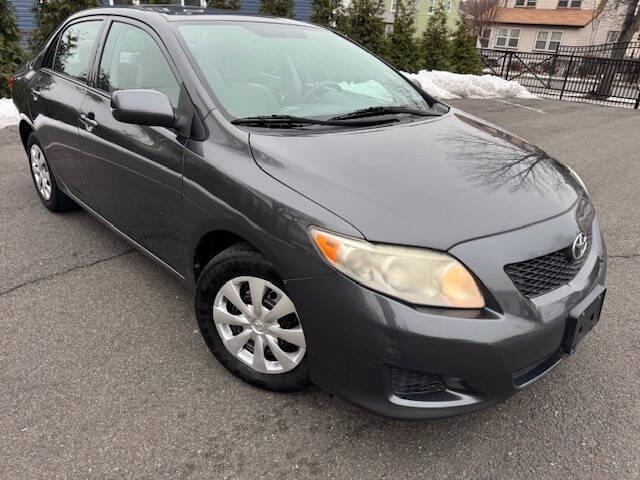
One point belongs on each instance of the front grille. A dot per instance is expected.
(546, 273)
(409, 383)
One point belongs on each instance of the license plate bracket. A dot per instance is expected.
(582, 318)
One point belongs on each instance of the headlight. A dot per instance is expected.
(418, 276)
(578, 179)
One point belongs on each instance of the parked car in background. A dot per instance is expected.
(337, 224)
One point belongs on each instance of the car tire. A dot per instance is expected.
(44, 180)
(238, 273)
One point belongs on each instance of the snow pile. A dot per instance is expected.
(447, 85)
(8, 113)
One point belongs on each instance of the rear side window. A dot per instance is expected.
(133, 59)
(73, 53)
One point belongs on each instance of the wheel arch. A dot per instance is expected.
(211, 244)
(25, 130)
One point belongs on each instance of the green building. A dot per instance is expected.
(424, 9)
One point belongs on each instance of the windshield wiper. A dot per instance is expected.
(289, 121)
(381, 110)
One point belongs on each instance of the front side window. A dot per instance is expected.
(73, 53)
(133, 59)
(508, 37)
(257, 69)
(548, 40)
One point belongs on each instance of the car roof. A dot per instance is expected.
(172, 13)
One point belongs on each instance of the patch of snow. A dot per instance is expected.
(8, 113)
(447, 85)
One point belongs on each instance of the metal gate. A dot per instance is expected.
(569, 76)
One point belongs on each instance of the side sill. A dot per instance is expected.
(126, 238)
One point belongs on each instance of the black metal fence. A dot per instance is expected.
(573, 76)
(606, 50)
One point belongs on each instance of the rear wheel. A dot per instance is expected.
(249, 322)
(43, 179)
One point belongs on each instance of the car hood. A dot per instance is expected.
(431, 183)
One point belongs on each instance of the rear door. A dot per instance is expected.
(57, 92)
(135, 171)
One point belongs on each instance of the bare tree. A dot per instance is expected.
(630, 25)
(482, 14)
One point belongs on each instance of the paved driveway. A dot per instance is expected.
(104, 375)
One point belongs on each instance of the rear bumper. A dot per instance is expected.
(357, 337)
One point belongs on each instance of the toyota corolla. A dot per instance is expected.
(337, 224)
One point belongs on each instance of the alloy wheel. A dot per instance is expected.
(257, 322)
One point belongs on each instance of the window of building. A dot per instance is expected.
(612, 36)
(526, 3)
(508, 37)
(133, 59)
(569, 3)
(485, 37)
(73, 53)
(548, 40)
(394, 5)
(430, 6)
(388, 29)
(195, 3)
(447, 5)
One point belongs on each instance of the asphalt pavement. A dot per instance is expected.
(103, 373)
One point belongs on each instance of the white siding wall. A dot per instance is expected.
(596, 32)
(529, 35)
(586, 4)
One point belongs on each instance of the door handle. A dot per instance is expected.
(36, 94)
(88, 121)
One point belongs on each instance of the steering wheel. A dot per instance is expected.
(326, 85)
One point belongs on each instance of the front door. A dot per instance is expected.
(135, 171)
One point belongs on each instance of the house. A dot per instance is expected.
(543, 25)
(424, 9)
(25, 16)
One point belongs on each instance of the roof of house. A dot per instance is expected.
(548, 16)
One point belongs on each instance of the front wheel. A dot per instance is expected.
(249, 322)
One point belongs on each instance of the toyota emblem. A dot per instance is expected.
(579, 247)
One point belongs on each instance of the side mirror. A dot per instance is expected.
(142, 107)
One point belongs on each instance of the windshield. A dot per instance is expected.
(256, 69)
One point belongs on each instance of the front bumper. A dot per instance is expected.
(356, 337)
